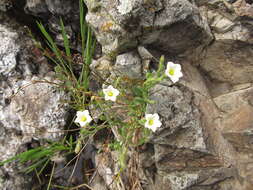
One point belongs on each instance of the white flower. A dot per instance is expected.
(152, 121)
(110, 93)
(83, 118)
(173, 71)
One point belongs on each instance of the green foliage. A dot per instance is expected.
(76, 86)
(126, 116)
(39, 157)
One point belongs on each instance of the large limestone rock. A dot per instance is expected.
(187, 144)
(37, 107)
(189, 151)
(205, 140)
(229, 58)
(181, 118)
(31, 107)
(164, 25)
(51, 11)
(237, 111)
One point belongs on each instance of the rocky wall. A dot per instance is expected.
(205, 142)
(31, 107)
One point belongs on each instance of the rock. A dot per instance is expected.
(214, 176)
(196, 148)
(144, 53)
(179, 118)
(229, 62)
(51, 11)
(121, 25)
(128, 64)
(16, 181)
(11, 143)
(180, 158)
(5, 5)
(190, 150)
(60, 7)
(102, 67)
(237, 118)
(37, 108)
(75, 174)
(228, 59)
(236, 127)
(181, 180)
(205, 141)
(56, 7)
(227, 28)
(36, 7)
(243, 8)
(55, 28)
(19, 96)
(198, 161)
(169, 159)
(30, 105)
(98, 183)
(8, 51)
(105, 162)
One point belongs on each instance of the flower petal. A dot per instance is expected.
(159, 124)
(170, 64)
(180, 74)
(153, 128)
(83, 124)
(115, 92)
(113, 98)
(79, 113)
(88, 119)
(110, 87)
(107, 97)
(86, 112)
(156, 117)
(105, 91)
(77, 120)
(177, 67)
(147, 116)
(174, 79)
(146, 125)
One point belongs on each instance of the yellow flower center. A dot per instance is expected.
(110, 93)
(151, 122)
(171, 71)
(83, 118)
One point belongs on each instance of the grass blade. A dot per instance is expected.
(65, 40)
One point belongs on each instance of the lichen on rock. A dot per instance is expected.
(149, 23)
(8, 50)
(31, 107)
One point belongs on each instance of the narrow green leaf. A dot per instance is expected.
(65, 40)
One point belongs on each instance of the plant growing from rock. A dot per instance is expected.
(75, 85)
(122, 108)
